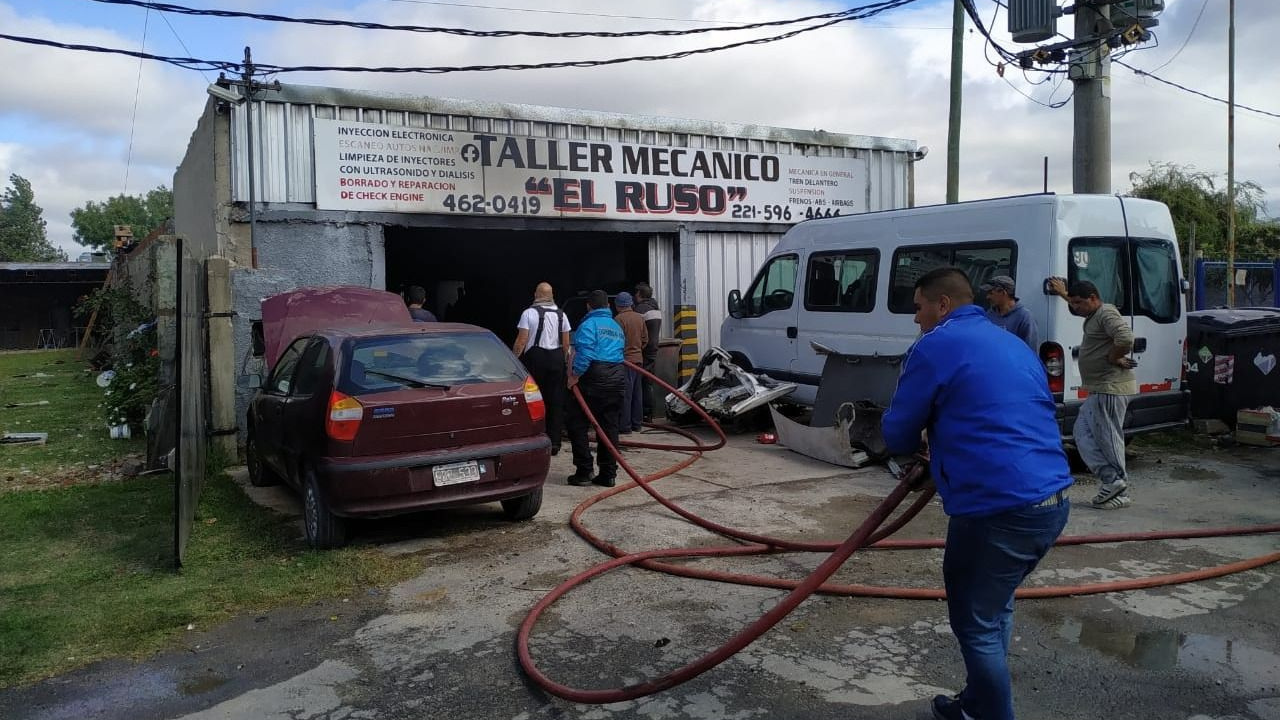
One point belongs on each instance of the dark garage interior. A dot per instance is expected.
(486, 277)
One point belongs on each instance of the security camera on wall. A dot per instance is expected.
(225, 94)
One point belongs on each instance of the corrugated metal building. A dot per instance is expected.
(479, 201)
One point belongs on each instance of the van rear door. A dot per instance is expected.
(1140, 276)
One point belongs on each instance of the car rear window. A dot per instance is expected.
(1137, 275)
(397, 362)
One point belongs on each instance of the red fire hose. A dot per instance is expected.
(869, 535)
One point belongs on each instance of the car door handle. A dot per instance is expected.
(792, 332)
(1139, 345)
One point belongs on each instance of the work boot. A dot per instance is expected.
(579, 478)
(604, 480)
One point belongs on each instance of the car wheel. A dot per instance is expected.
(524, 507)
(324, 529)
(259, 474)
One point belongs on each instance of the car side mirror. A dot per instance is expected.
(735, 303)
(250, 382)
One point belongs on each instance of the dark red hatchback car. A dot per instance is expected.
(387, 419)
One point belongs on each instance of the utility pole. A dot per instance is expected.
(1090, 71)
(1231, 153)
(953, 119)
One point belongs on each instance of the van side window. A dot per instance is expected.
(980, 261)
(1156, 292)
(774, 288)
(842, 281)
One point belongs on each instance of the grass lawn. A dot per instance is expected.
(86, 570)
(77, 431)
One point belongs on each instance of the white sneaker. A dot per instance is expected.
(1109, 491)
(1115, 502)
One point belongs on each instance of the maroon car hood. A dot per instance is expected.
(290, 315)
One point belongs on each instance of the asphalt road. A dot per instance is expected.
(442, 644)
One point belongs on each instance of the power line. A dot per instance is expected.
(235, 67)
(133, 122)
(184, 45)
(1194, 25)
(467, 32)
(1144, 73)
(552, 12)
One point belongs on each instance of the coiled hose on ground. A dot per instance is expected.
(872, 533)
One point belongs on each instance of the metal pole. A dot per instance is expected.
(1231, 153)
(1091, 73)
(248, 113)
(953, 118)
(1046, 174)
(1191, 258)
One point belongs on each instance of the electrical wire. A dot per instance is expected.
(1194, 25)
(133, 122)
(468, 32)
(1184, 88)
(180, 42)
(862, 12)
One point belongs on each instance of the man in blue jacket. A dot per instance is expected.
(998, 464)
(602, 378)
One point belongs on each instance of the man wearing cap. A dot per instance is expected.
(1008, 313)
(633, 326)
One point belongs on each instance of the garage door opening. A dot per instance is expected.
(486, 277)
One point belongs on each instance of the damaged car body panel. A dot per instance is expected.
(725, 390)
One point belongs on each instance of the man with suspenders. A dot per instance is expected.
(542, 344)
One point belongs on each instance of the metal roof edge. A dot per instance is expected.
(319, 95)
(54, 266)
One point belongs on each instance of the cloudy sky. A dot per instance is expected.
(68, 120)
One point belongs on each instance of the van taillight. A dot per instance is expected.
(345, 414)
(533, 400)
(1054, 366)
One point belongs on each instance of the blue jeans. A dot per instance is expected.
(632, 417)
(986, 560)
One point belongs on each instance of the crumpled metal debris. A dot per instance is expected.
(725, 390)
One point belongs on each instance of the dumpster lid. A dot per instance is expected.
(1237, 319)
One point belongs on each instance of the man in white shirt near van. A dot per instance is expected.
(1106, 373)
(542, 344)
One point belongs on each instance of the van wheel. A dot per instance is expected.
(524, 507)
(259, 474)
(324, 529)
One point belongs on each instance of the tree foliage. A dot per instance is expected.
(1199, 199)
(94, 222)
(22, 226)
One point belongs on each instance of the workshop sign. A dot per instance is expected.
(383, 168)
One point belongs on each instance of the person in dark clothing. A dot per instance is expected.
(632, 323)
(417, 296)
(648, 308)
(602, 379)
(542, 344)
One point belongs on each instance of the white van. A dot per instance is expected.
(847, 283)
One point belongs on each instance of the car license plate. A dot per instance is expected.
(456, 473)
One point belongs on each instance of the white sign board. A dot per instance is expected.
(383, 168)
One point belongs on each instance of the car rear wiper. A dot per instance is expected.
(411, 382)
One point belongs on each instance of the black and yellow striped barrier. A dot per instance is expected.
(686, 321)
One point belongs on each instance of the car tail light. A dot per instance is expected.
(345, 414)
(1054, 366)
(533, 400)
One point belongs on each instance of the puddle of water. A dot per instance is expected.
(201, 684)
(1220, 658)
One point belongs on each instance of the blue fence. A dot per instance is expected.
(1256, 284)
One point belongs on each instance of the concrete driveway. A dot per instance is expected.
(442, 644)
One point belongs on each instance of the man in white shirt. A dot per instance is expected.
(542, 344)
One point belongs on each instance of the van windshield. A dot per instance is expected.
(1137, 275)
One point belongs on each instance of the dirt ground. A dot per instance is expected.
(442, 643)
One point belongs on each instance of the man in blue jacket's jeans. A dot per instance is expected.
(998, 464)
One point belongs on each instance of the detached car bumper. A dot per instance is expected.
(394, 484)
(1148, 412)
